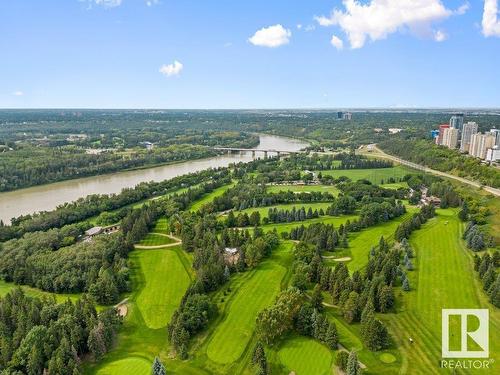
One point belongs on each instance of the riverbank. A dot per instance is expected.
(48, 197)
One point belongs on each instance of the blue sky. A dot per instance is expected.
(249, 54)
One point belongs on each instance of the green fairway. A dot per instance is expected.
(160, 279)
(207, 198)
(133, 365)
(304, 188)
(161, 226)
(155, 239)
(166, 281)
(361, 242)
(376, 175)
(305, 356)
(443, 278)
(232, 335)
(6, 287)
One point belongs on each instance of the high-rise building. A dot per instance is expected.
(347, 116)
(450, 137)
(439, 139)
(496, 133)
(340, 115)
(480, 143)
(493, 154)
(457, 121)
(469, 129)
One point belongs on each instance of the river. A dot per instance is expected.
(48, 197)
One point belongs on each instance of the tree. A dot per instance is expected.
(352, 364)
(463, 214)
(331, 337)
(317, 298)
(376, 336)
(158, 368)
(341, 360)
(259, 358)
(494, 292)
(406, 285)
(255, 218)
(350, 309)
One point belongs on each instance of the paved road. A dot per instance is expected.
(379, 153)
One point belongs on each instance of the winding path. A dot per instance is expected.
(145, 247)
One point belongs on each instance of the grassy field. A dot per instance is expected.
(160, 278)
(233, 334)
(165, 272)
(6, 287)
(376, 175)
(361, 242)
(207, 198)
(155, 239)
(286, 227)
(443, 278)
(304, 188)
(305, 356)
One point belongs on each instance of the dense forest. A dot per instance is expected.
(40, 336)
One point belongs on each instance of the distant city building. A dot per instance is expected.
(439, 139)
(347, 116)
(457, 121)
(480, 143)
(394, 130)
(434, 134)
(340, 115)
(496, 133)
(469, 129)
(493, 154)
(450, 137)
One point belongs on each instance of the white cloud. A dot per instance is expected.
(440, 36)
(379, 18)
(272, 36)
(337, 42)
(105, 3)
(491, 23)
(150, 3)
(463, 8)
(310, 28)
(171, 69)
(299, 26)
(18, 93)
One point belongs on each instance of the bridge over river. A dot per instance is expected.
(254, 151)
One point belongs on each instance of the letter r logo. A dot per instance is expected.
(479, 335)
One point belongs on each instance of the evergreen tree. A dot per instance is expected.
(158, 368)
(331, 337)
(317, 298)
(494, 292)
(406, 285)
(259, 358)
(353, 364)
(341, 360)
(489, 277)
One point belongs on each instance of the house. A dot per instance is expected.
(92, 232)
(231, 255)
(149, 146)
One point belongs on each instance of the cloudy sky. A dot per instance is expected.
(249, 54)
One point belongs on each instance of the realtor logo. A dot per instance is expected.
(479, 335)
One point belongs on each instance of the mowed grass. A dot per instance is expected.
(133, 365)
(375, 175)
(361, 242)
(443, 278)
(166, 273)
(305, 356)
(160, 279)
(231, 337)
(155, 239)
(6, 287)
(304, 188)
(207, 198)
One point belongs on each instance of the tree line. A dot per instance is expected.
(40, 336)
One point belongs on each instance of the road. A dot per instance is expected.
(377, 152)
